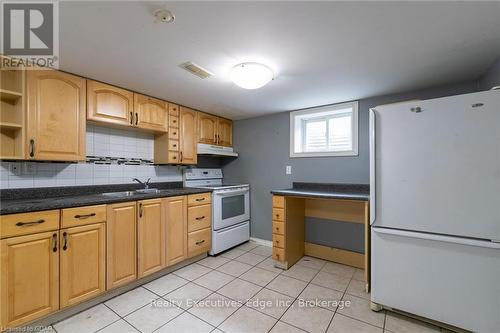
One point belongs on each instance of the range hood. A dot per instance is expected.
(213, 150)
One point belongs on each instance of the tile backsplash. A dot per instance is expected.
(114, 142)
(101, 141)
(31, 174)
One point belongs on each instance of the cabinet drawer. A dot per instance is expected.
(173, 157)
(173, 145)
(199, 242)
(72, 217)
(278, 228)
(279, 241)
(173, 121)
(199, 217)
(278, 214)
(28, 223)
(173, 109)
(278, 201)
(199, 199)
(278, 254)
(173, 133)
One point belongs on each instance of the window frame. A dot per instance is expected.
(334, 107)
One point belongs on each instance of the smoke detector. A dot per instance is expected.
(164, 16)
(197, 70)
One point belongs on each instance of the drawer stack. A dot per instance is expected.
(279, 228)
(173, 133)
(199, 223)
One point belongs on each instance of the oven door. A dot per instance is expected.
(230, 207)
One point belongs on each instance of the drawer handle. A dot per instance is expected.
(277, 215)
(32, 148)
(277, 241)
(174, 145)
(200, 217)
(84, 216)
(65, 245)
(200, 199)
(54, 242)
(200, 242)
(28, 224)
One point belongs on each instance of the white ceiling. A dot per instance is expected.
(322, 52)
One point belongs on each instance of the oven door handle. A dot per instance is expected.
(231, 193)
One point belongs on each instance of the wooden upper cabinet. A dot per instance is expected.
(150, 113)
(29, 282)
(188, 125)
(109, 104)
(176, 229)
(150, 237)
(121, 244)
(207, 128)
(56, 116)
(82, 263)
(225, 132)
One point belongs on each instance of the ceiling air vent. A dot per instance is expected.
(196, 70)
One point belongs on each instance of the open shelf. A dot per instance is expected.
(12, 113)
(7, 125)
(10, 96)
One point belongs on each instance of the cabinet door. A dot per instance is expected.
(225, 132)
(109, 104)
(150, 237)
(56, 116)
(187, 136)
(207, 128)
(176, 229)
(29, 280)
(82, 262)
(150, 113)
(121, 245)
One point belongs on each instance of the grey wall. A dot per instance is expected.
(492, 77)
(263, 144)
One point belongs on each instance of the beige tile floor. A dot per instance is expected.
(241, 291)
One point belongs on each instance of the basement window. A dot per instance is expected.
(325, 131)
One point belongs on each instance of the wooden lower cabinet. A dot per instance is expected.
(199, 242)
(176, 229)
(121, 244)
(150, 237)
(82, 263)
(29, 280)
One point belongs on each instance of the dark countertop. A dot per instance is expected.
(37, 199)
(327, 191)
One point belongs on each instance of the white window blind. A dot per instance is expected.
(325, 131)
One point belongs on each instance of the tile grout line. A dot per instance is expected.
(296, 298)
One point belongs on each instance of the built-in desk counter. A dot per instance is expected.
(328, 221)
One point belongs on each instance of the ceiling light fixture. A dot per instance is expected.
(164, 16)
(251, 75)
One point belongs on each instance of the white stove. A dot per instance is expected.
(230, 207)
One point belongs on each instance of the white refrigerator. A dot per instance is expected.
(435, 209)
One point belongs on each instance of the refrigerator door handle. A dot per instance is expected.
(438, 238)
(372, 166)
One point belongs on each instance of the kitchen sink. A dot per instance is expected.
(131, 193)
(119, 194)
(148, 190)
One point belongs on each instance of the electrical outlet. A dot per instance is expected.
(28, 168)
(288, 170)
(15, 169)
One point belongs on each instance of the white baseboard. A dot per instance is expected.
(262, 241)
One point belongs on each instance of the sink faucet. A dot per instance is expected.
(145, 184)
